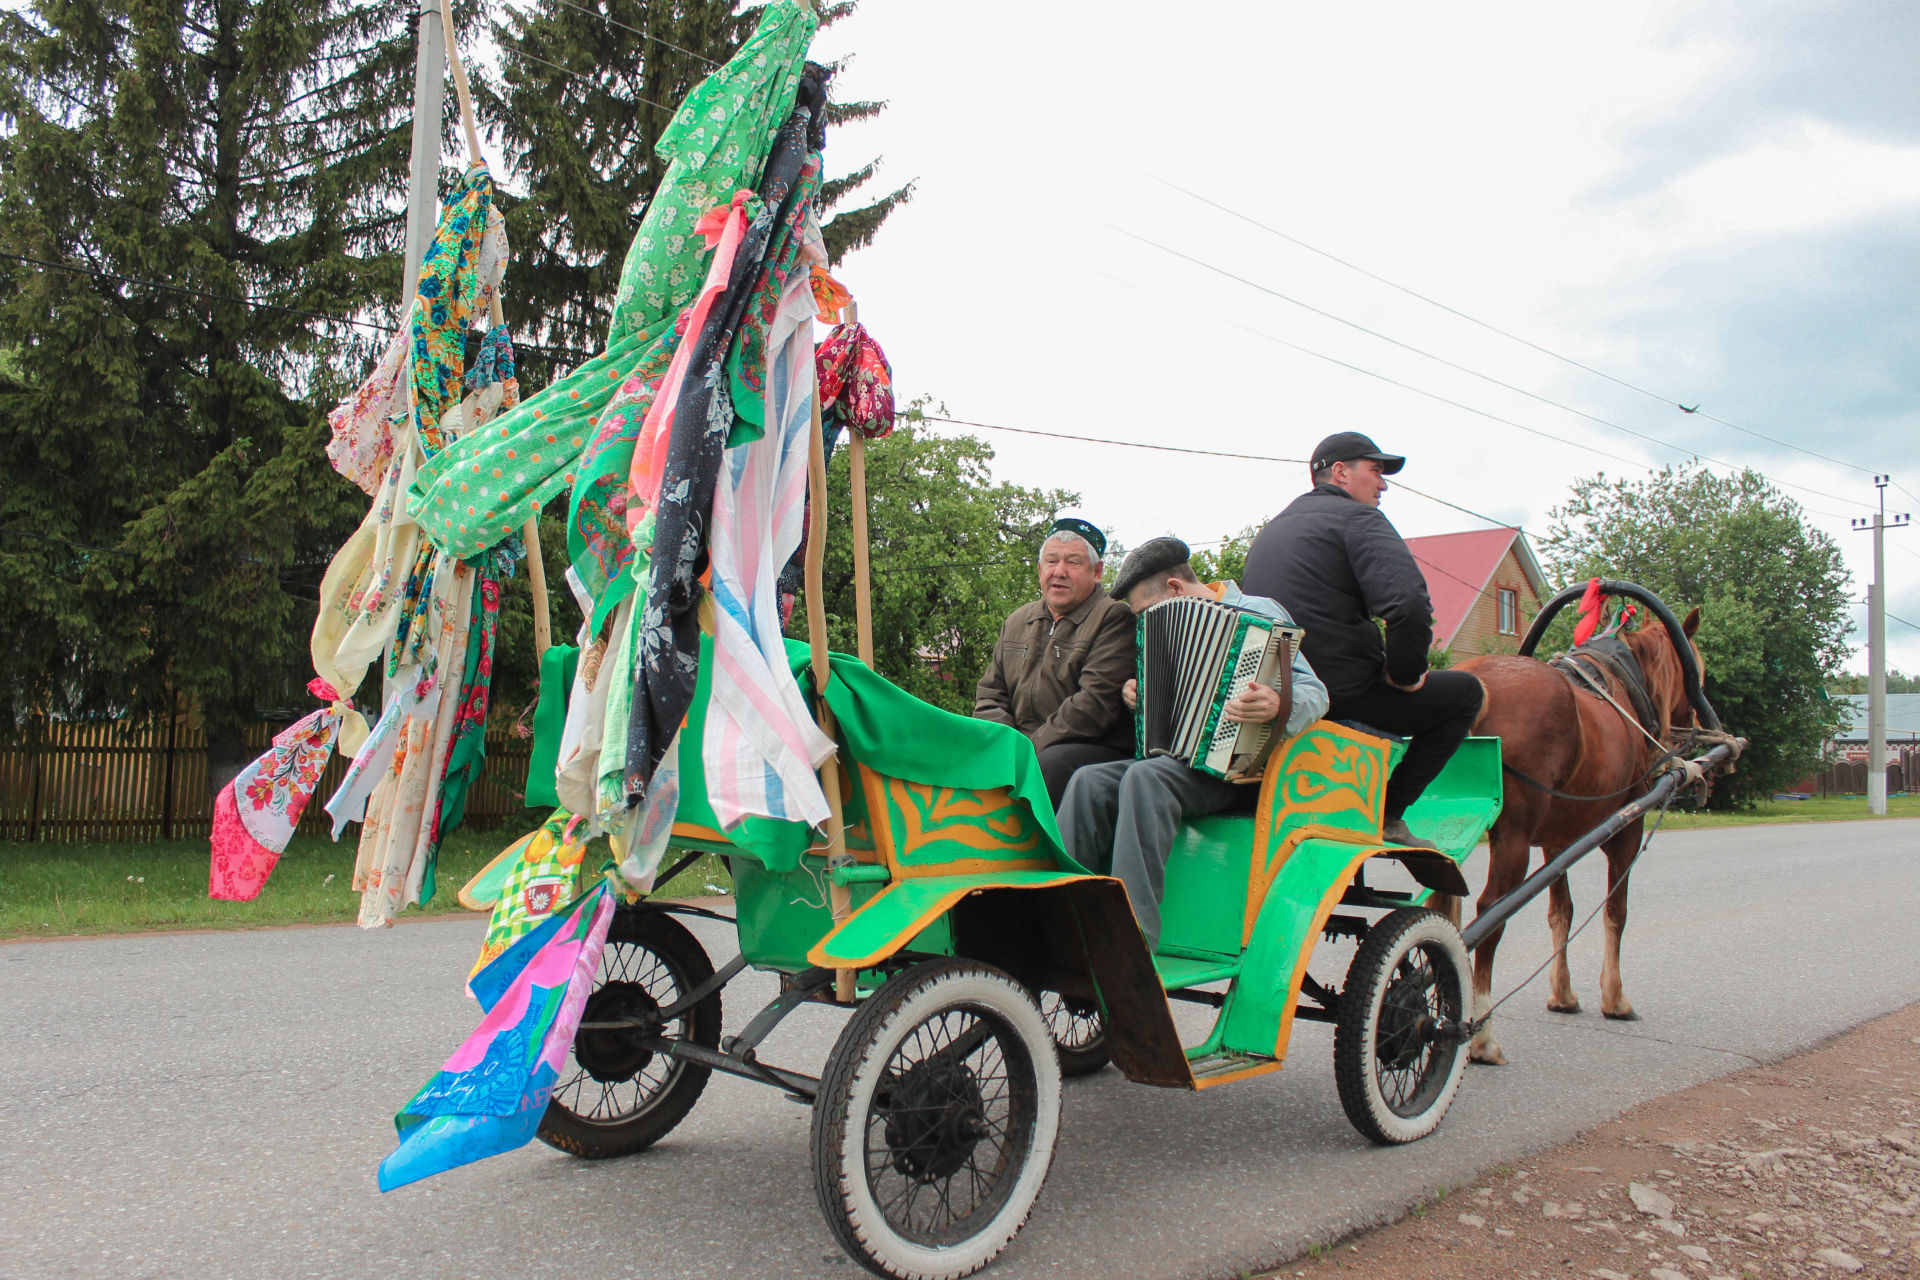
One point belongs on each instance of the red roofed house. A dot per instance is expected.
(1486, 588)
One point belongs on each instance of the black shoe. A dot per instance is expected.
(1395, 831)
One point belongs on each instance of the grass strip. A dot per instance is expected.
(1812, 809)
(67, 890)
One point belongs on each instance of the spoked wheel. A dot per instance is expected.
(1394, 1060)
(615, 1096)
(935, 1122)
(1079, 1036)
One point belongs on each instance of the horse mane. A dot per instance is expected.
(1666, 682)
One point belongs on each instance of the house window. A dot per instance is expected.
(1509, 612)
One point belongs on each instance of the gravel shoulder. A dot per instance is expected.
(1809, 1166)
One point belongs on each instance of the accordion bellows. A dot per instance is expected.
(1194, 657)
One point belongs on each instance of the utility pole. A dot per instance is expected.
(429, 96)
(1877, 652)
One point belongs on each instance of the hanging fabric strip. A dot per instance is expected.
(667, 662)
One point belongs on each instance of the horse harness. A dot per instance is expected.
(1586, 667)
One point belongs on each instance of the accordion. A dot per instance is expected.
(1194, 657)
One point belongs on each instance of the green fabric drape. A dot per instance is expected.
(888, 729)
(557, 667)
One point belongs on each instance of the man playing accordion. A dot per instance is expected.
(1119, 818)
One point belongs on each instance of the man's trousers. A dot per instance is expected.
(1119, 819)
(1436, 719)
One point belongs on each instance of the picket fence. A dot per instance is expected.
(73, 781)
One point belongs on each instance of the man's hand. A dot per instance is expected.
(1415, 687)
(1130, 693)
(1257, 705)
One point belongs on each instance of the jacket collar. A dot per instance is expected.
(1327, 486)
(1079, 613)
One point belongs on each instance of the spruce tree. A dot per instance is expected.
(585, 89)
(166, 509)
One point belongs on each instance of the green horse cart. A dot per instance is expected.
(987, 964)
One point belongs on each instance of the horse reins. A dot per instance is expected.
(1571, 666)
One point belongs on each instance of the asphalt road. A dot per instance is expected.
(215, 1104)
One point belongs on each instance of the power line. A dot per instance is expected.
(1407, 386)
(645, 35)
(575, 75)
(1513, 337)
(1395, 483)
(1374, 333)
(1078, 439)
(261, 304)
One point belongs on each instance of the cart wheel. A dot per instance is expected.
(615, 1097)
(935, 1122)
(1079, 1036)
(1397, 1077)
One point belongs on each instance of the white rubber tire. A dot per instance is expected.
(846, 1098)
(1357, 1031)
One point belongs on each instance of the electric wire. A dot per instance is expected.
(575, 75)
(645, 35)
(1510, 336)
(1407, 346)
(1395, 483)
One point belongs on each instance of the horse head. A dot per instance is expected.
(1666, 682)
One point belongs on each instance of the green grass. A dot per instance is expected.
(63, 890)
(1814, 809)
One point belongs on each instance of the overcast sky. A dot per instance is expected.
(1715, 202)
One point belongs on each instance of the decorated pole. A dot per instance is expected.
(839, 897)
(530, 532)
(862, 564)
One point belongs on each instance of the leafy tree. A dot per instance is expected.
(953, 554)
(167, 509)
(1897, 682)
(584, 90)
(1773, 597)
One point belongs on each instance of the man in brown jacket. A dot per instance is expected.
(1060, 662)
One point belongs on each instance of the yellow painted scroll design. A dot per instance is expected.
(1330, 783)
(924, 829)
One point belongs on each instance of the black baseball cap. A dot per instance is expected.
(1349, 446)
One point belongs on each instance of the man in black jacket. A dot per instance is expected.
(1335, 563)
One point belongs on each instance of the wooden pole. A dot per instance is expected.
(839, 897)
(460, 88)
(862, 564)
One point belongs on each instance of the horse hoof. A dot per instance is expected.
(1621, 1015)
(1488, 1055)
(1570, 1005)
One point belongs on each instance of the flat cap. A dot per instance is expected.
(1156, 555)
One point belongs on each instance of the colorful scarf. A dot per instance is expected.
(257, 813)
(478, 490)
(856, 382)
(490, 1096)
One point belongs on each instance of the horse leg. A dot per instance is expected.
(1560, 919)
(1447, 905)
(1620, 854)
(1506, 866)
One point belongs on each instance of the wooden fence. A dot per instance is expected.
(117, 781)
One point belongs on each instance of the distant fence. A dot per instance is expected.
(119, 781)
(1849, 777)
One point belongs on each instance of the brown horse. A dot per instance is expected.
(1559, 734)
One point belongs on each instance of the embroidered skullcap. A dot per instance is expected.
(1083, 529)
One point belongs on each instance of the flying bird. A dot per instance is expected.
(1684, 409)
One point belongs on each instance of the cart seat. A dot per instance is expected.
(1205, 898)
